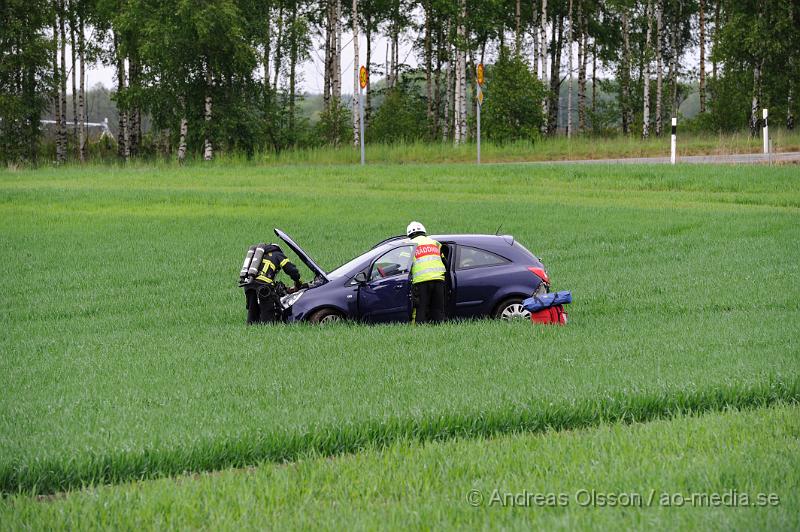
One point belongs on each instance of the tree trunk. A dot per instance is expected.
(448, 100)
(756, 102)
(368, 101)
(356, 83)
(337, 94)
(594, 79)
(82, 93)
(208, 147)
(73, 52)
(659, 68)
(278, 49)
(182, 141)
(336, 82)
(789, 110)
(517, 28)
(647, 74)
(715, 40)
(62, 126)
(56, 85)
(543, 60)
(625, 73)
(569, 70)
(122, 135)
(555, 74)
(460, 135)
(583, 52)
(429, 69)
(535, 32)
(134, 114)
(702, 22)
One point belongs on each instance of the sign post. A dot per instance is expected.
(765, 113)
(479, 76)
(673, 155)
(363, 76)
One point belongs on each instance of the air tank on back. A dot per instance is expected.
(247, 259)
(255, 263)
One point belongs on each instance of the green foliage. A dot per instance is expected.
(24, 77)
(401, 117)
(335, 126)
(512, 108)
(135, 368)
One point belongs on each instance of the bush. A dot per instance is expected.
(512, 108)
(401, 118)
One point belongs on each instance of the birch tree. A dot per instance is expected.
(356, 84)
(647, 74)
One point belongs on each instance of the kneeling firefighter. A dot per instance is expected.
(427, 275)
(257, 277)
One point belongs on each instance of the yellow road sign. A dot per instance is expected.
(479, 73)
(363, 76)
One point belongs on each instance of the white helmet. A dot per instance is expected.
(415, 227)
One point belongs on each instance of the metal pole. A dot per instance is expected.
(673, 152)
(765, 113)
(361, 122)
(479, 125)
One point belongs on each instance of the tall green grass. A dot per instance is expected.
(407, 485)
(545, 149)
(124, 353)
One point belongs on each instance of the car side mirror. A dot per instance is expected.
(361, 278)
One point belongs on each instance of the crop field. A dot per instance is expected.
(124, 355)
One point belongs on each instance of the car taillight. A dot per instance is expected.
(540, 273)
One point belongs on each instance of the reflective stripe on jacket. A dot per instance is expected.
(272, 263)
(428, 265)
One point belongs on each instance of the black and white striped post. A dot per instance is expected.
(673, 156)
(764, 114)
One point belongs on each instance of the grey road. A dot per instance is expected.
(744, 158)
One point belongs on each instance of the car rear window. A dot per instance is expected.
(469, 257)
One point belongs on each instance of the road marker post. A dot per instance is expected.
(673, 157)
(480, 79)
(363, 76)
(764, 114)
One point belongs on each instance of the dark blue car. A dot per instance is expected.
(488, 276)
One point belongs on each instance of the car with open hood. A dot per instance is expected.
(487, 276)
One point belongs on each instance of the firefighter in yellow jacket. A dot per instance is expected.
(427, 275)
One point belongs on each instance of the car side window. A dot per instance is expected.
(469, 257)
(394, 262)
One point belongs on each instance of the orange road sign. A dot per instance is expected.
(363, 76)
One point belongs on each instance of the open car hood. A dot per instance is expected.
(307, 260)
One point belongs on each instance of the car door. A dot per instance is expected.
(385, 296)
(478, 275)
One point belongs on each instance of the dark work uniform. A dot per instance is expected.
(263, 303)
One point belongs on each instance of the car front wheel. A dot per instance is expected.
(325, 316)
(511, 309)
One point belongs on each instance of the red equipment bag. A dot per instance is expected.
(555, 315)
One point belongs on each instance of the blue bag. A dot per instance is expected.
(537, 303)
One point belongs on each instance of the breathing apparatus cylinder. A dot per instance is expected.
(255, 263)
(247, 259)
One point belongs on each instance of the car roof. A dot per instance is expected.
(462, 239)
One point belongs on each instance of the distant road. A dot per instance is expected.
(743, 158)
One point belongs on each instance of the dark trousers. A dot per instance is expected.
(429, 301)
(262, 304)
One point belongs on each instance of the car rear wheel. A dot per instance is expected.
(511, 309)
(325, 316)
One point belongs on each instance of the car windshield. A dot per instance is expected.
(346, 269)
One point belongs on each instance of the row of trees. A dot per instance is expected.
(225, 74)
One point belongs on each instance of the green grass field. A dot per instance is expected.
(124, 354)
(661, 475)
